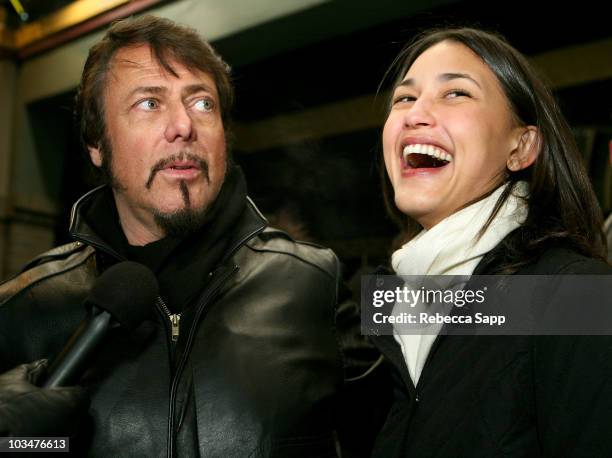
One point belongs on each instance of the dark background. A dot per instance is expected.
(326, 189)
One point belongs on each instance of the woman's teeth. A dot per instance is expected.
(428, 150)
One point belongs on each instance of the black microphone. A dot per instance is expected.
(122, 296)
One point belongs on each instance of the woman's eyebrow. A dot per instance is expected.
(454, 76)
(443, 77)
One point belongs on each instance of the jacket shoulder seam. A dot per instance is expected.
(63, 251)
(41, 276)
(293, 255)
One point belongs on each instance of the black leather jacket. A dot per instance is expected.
(259, 369)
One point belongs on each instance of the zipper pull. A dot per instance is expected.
(175, 319)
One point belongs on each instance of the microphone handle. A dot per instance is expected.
(72, 360)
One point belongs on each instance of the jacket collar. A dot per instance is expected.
(251, 223)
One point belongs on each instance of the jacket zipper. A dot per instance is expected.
(174, 318)
(206, 297)
(218, 282)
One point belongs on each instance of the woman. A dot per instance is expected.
(486, 178)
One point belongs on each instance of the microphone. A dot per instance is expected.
(121, 296)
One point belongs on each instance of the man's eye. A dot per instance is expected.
(148, 104)
(205, 105)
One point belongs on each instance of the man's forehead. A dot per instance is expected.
(134, 57)
(139, 62)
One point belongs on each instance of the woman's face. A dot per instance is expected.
(449, 134)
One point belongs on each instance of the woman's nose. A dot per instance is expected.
(420, 114)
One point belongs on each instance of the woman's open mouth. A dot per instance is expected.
(421, 156)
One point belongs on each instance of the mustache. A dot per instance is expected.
(182, 156)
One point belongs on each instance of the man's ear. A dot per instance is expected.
(95, 155)
(527, 149)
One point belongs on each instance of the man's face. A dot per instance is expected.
(167, 144)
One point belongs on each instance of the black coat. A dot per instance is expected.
(505, 396)
(261, 366)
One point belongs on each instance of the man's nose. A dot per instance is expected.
(179, 124)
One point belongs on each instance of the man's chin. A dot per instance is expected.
(180, 222)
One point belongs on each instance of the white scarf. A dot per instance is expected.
(451, 247)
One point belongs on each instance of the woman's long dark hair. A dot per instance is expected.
(563, 209)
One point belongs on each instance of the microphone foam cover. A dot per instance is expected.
(128, 290)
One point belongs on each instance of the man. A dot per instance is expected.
(246, 352)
